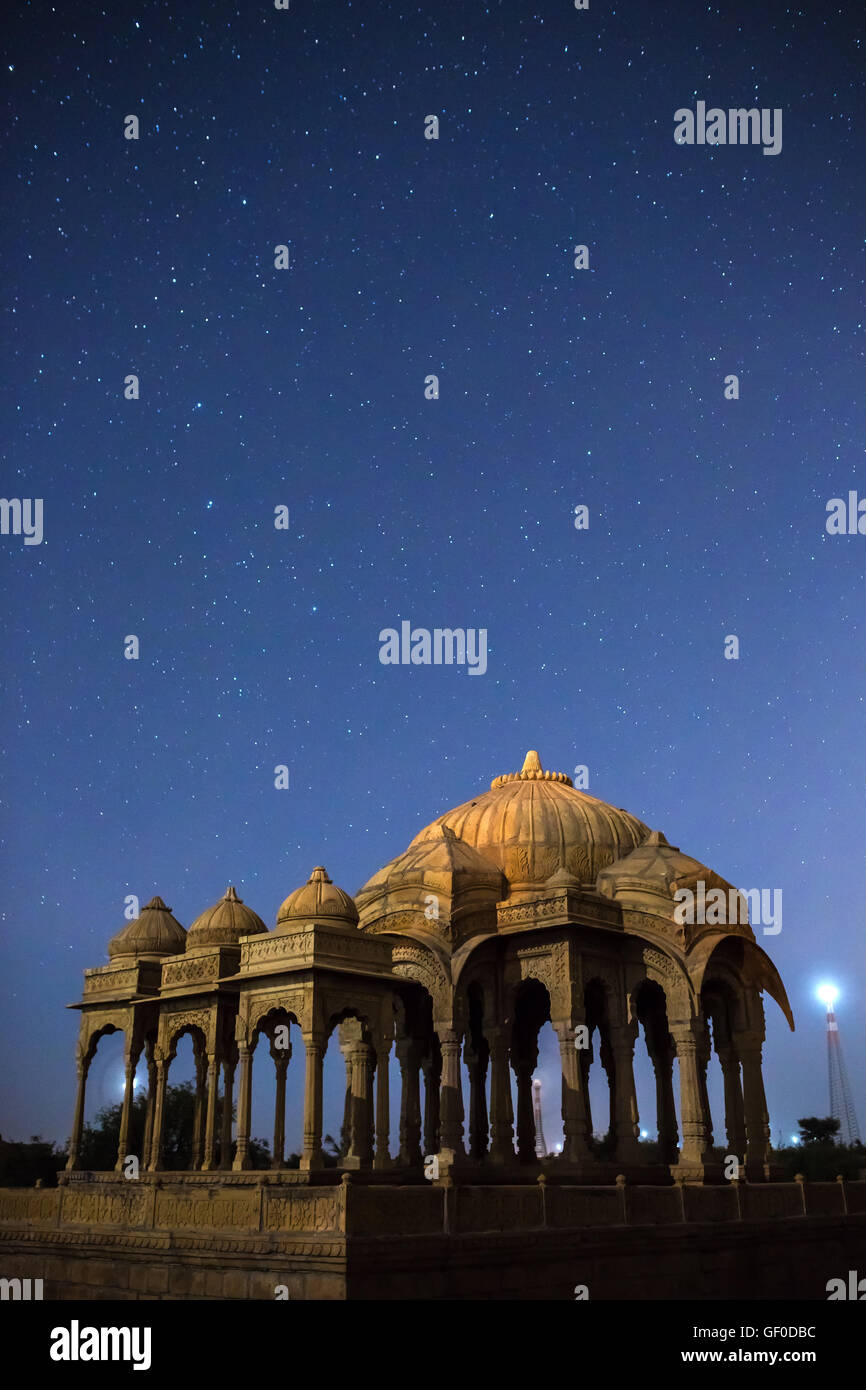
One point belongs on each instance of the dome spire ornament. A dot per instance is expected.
(532, 771)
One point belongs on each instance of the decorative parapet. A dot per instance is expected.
(203, 967)
(164, 1204)
(556, 908)
(112, 982)
(312, 944)
(253, 1204)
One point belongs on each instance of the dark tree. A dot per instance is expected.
(98, 1151)
(818, 1131)
(23, 1165)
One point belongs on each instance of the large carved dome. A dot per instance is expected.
(533, 823)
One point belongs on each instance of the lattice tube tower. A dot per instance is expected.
(540, 1145)
(841, 1102)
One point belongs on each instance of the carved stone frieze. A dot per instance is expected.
(187, 971)
(414, 962)
(100, 1020)
(210, 1212)
(172, 1022)
(412, 919)
(116, 981)
(28, 1205)
(255, 1007)
(661, 964)
(84, 1208)
(511, 914)
(301, 1211)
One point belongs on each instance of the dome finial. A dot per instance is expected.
(532, 771)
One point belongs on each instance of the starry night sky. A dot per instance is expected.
(305, 388)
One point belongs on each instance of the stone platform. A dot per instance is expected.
(243, 1235)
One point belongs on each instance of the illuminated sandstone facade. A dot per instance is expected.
(532, 902)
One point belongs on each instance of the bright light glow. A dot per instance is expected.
(795, 1138)
(644, 1133)
(828, 994)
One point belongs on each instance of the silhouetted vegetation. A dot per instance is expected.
(99, 1142)
(23, 1165)
(817, 1131)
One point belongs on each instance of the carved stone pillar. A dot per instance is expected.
(451, 1148)
(585, 1060)
(242, 1159)
(410, 1103)
(73, 1160)
(157, 1145)
(149, 1108)
(703, 1058)
(695, 1151)
(383, 1102)
(501, 1113)
(523, 1069)
(735, 1118)
(575, 1147)
(754, 1105)
(281, 1057)
(666, 1111)
(229, 1064)
(606, 1057)
(312, 1155)
(431, 1067)
(130, 1062)
(476, 1063)
(360, 1154)
(199, 1112)
(213, 1073)
(626, 1117)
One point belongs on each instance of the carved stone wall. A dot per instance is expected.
(516, 1241)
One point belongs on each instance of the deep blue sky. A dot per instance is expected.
(305, 388)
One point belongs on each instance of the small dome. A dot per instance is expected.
(655, 870)
(154, 932)
(225, 923)
(441, 861)
(318, 900)
(655, 864)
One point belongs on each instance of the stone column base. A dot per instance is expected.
(453, 1163)
(694, 1171)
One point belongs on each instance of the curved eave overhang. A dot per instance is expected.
(746, 956)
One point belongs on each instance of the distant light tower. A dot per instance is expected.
(841, 1104)
(540, 1145)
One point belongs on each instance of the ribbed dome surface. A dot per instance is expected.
(532, 823)
(318, 900)
(153, 933)
(225, 923)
